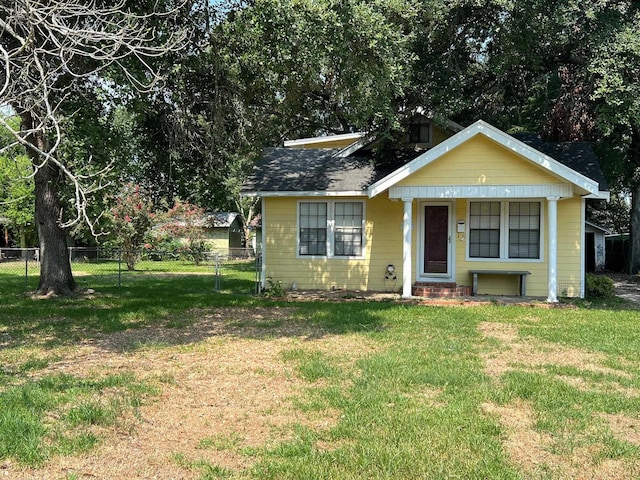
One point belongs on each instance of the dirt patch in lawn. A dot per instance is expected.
(624, 427)
(225, 389)
(533, 451)
(517, 353)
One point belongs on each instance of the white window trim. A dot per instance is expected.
(331, 230)
(504, 231)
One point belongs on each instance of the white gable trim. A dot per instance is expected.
(326, 139)
(482, 191)
(482, 128)
(365, 140)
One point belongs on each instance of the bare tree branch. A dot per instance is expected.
(50, 49)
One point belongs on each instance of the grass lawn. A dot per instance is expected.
(168, 379)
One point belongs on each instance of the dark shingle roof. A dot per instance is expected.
(309, 170)
(314, 170)
(578, 156)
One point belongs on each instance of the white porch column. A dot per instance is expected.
(406, 248)
(263, 244)
(552, 255)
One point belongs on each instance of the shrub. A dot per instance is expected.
(274, 289)
(599, 286)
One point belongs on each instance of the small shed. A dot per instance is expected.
(595, 248)
(223, 230)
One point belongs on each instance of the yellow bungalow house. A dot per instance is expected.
(459, 211)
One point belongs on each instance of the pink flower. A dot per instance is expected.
(127, 218)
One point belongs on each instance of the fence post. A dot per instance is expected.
(217, 280)
(258, 274)
(26, 271)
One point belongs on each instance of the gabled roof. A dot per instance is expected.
(501, 138)
(577, 155)
(309, 172)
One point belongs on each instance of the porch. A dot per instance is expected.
(441, 250)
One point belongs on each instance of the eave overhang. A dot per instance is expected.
(319, 193)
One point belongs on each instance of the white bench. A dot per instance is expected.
(521, 273)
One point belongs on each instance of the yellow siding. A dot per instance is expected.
(383, 245)
(569, 241)
(499, 285)
(480, 161)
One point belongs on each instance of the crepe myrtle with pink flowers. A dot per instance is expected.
(131, 219)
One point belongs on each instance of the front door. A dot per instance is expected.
(436, 240)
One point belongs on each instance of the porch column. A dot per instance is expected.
(552, 255)
(406, 248)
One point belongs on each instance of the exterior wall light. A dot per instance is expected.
(390, 274)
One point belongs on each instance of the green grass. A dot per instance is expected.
(48, 416)
(409, 405)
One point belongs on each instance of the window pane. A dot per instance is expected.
(524, 230)
(484, 229)
(313, 228)
(348, 242)
(348, 229)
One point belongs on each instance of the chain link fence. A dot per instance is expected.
(235, 269)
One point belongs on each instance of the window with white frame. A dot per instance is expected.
(504, 230)
(313, 228)
(524, 229)
(332, 229)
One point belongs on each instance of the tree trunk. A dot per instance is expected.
(55, 268)
(634, 222)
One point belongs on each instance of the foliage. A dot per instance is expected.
(599, 286)
(16, 187)
(188, 222)
(274, 289)
(270, 70)
(613, 215)
(17, 195)
(130, 219)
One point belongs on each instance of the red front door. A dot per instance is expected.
(436, 239)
